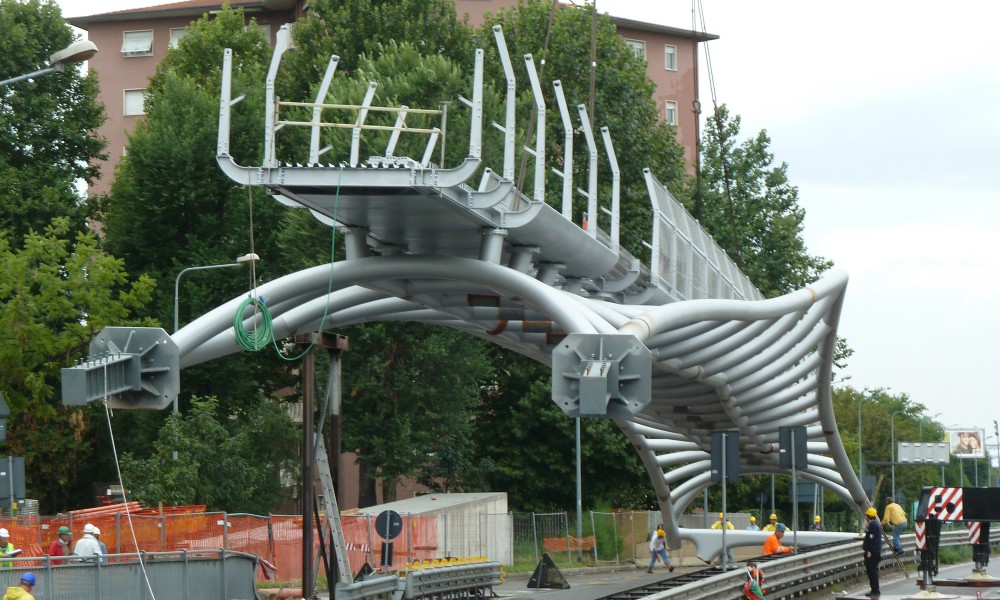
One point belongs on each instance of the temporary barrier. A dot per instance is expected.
(214, 575)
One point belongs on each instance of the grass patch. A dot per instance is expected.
(952, 555)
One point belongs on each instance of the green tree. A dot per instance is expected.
(230, 462)
(48, 126)
(410, 390)
(169, 193)
(751, 208)
(623, 103)
(57, 291)
(411, 387)
(530, 444)
(363, 27)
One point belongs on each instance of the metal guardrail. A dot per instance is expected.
(445, 580)
(182, 575)
(383, 586)
(793, 575)
(474, 578)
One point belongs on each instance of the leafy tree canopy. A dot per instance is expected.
(231, 462)
(752, 210)
(623, 103)
(362, 27)
(48, 125)
(57, 291)
(409, 391)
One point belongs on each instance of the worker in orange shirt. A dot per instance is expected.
(773, 543)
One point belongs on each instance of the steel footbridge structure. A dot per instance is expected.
(672, 351)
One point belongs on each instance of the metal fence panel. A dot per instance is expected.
(176, 575)
(553, 534)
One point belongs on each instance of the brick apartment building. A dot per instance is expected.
(133, 41)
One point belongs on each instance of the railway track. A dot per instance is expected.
(814, 567)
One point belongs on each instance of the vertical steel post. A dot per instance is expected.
(723, 557)
(579, 488)
(534, 535)
(308, 375)
(795, 494)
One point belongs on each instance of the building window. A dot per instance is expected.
(670, 57)
(137, 43)
(638, 48)
(176, 33)
(670, 114)
(264, 29)
(134, 100)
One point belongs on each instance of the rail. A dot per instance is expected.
(792, 575)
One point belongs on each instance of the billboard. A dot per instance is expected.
(967, 443)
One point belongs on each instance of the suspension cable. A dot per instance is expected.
(118, 471)
(721, 138)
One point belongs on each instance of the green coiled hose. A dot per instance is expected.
(262, 332)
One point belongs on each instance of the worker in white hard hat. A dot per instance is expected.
(6, 548)
(104, 548)
(87, 545)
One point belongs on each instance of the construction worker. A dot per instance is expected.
(88, 544)
(658, 547)
(753, 524)
(872, 548)
(23, 590)
(817, 524)
(772, 525)
(718, 524)
(104, 547)
(60, 546)
(729, 526)
(895, 517)
(773, 543)
(6, 548)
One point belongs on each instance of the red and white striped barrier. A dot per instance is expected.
(920, 535)
(974, 530)
(945, 504)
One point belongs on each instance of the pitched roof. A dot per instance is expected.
(192, 8)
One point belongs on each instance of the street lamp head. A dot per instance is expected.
(76, 52)
(247, 259)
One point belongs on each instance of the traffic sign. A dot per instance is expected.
(388, 524)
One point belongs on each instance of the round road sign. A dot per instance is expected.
(388, 524)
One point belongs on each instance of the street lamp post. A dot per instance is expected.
(242, 261)
(892, 443)
(921, 436)
(921, 430)
(76, 52)
(861, 465)
(246, 259)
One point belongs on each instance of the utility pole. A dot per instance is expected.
(996, 436)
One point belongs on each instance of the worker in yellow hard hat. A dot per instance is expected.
(872, 548)
(753, 524)
(817, 524)
(772, 525)
(729, 526)
(718, 524)
(658, 548)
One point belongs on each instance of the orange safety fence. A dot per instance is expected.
(575, 544)
(275, 538)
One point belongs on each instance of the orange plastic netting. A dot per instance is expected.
(275, 538)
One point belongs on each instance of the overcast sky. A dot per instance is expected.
(886, 113)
